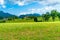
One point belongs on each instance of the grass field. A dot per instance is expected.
(30, 31)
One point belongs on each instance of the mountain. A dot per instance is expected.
(5, 15)
(35, 14)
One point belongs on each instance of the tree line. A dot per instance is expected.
(45, 17)
(48, 15)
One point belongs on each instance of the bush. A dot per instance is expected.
(3, 21)
(35, 19)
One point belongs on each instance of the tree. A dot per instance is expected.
(53, 14)
(58, 15)
(35, 19)
(46, 16)
(1, 18)
(12, 17)
(15, 17)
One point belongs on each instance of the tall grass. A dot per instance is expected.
(30, 31)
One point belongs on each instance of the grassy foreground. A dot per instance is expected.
(30, 31)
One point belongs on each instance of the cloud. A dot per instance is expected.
(23, 2)
(2, 3)
(3, 6)
(27, 2)
(40, 10)
(20, 3)
(48, 5)
(43, 2)
(49, 2)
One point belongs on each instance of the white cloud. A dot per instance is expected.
(2, 3)
(26, 2)
(3, 6)
(42, 2)
(41, 10)
(49, 2)
(48, 5)
(20, 3)
(23, 2)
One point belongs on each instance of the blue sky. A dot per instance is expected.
(19, 7)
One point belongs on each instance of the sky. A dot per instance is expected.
(22, 7)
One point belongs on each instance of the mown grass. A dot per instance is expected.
(30, 31)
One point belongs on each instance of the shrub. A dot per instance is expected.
(35, 19)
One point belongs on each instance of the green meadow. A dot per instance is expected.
(30, 31)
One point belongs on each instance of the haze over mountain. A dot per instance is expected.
(35, 15)
(5, 15)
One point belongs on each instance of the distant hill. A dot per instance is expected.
(35, 14)
(5, 15)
